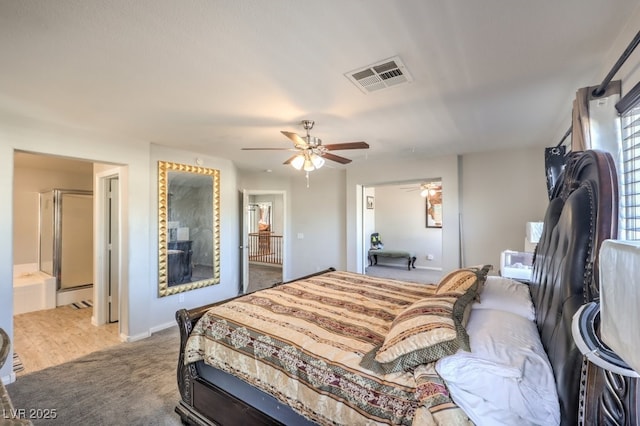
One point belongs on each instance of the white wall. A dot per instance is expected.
(318, 215)
(501, 191)
(401, 221)
(629, 73)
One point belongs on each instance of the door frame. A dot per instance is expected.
(244, 224)
(101, 273)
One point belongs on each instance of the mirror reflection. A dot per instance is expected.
(188, 227)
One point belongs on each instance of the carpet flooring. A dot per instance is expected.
(423, 276)
(127, 384)
(261, 276)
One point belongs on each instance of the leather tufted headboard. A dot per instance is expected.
(582, 213)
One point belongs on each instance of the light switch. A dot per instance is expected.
(300, 235)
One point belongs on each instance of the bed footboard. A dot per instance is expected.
(187, 374)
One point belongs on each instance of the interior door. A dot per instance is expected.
(113, 246)
(244, 241)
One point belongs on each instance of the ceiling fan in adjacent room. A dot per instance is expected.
(425, 188)
(311, 153)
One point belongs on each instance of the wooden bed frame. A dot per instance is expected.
(582, 213)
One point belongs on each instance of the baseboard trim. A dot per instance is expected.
(164, 326)
(430, 268)
(9, 379)
(134, 338)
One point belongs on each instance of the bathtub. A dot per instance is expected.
(33, 290)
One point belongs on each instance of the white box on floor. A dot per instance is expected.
(516, 264)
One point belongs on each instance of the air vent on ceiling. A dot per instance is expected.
(388, 73)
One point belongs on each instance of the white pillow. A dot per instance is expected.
(507, 377)
(508, 295)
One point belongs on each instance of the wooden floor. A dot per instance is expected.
(50, 337)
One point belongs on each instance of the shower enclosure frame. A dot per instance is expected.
(57, 233)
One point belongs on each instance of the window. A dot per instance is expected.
(630, 197)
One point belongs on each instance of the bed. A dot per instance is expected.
(342, 348)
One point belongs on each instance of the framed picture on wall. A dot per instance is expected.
(434, 205)
(369, 202)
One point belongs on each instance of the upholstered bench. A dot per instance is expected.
(398, 254)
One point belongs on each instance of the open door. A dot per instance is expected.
(262, 252)
(244, 241)
(113, 253)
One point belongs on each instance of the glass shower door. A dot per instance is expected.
(76, 241)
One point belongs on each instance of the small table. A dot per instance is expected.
(399, 254)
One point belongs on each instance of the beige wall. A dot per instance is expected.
(27, 185)
(501, 191)
(318, 216)
(400, 219)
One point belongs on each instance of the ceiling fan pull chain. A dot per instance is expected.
(307, 176)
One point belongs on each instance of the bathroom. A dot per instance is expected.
(53, 232)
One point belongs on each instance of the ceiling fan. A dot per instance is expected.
(425, 188)
(311, 153)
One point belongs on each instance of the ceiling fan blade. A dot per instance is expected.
(346, 145)
(336, 158)
(268, 149)
(290, 159)
(295, 138)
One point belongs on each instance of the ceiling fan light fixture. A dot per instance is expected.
(298, 162)
(308, 165)
(317, 161)
(424, 192)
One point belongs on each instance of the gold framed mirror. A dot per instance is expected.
(188, 227)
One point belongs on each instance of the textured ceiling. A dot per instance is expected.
(214, 76)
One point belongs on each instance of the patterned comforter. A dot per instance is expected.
(303, 342)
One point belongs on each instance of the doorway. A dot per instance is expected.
(409, 229)
(34, 173)
(263, 241)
